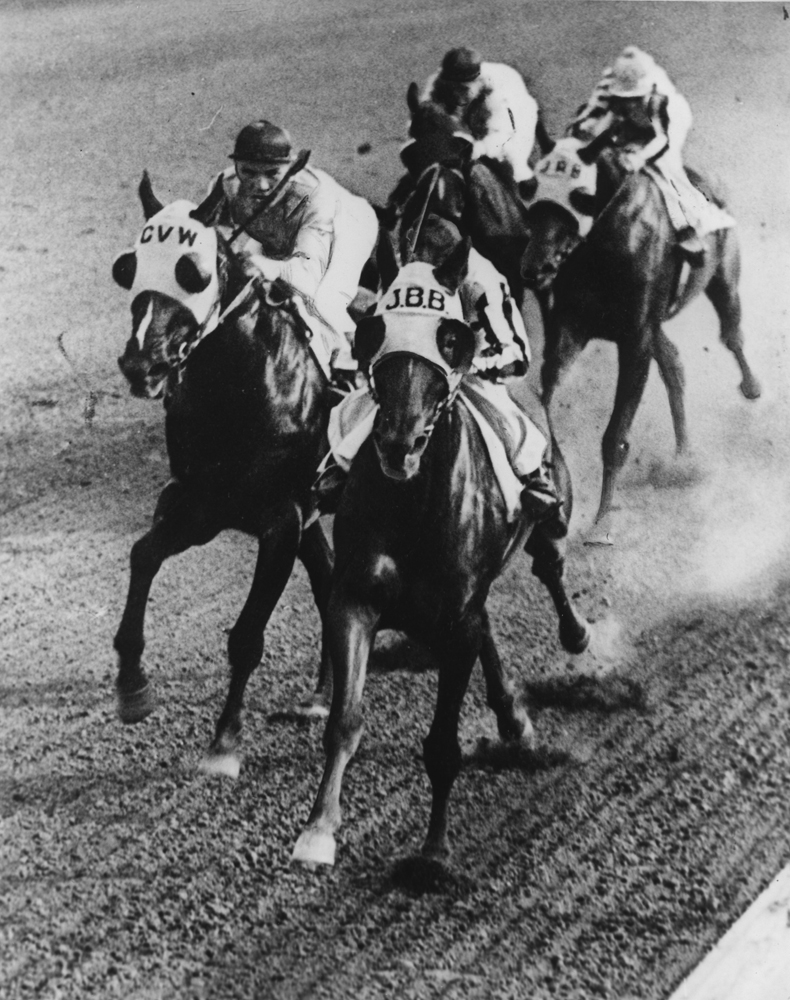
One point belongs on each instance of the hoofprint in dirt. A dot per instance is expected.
(655, 806)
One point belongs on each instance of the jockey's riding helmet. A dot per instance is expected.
(461, 66)
(263, 142)
(632, 74)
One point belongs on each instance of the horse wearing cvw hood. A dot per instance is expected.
(246, 407)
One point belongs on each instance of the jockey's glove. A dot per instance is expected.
(264, 266)
(633, 162)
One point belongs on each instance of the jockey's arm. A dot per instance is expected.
(312, 249)
(503, 348)
(659, 124)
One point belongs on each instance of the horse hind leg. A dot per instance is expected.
(180, 522)
(513, 722)
(317, 557)
(548, 565)
(722, 290)
(668, 360)
(633, 369)
(276, 556)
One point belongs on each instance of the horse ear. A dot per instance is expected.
(207, 208)
(413, 98)
(453, 269)
(386, 260)
(191, 275)
(124, 268)
(151, 204)
(456, 344)
(528, 188)
(368, 340)
(542, 137)
(583, 202)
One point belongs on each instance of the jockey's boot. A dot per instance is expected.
(691, 246)
(541, 502)
(344, 370)
(328, 486)
(344, 380)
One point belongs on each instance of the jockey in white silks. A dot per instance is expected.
(491, 104)
(637, 103)
(314, 234)
(502, 353)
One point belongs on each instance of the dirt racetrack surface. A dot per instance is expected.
(656, 805)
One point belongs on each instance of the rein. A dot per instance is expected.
(212, 321)
(415, 230)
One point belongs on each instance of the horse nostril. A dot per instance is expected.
(419, 442)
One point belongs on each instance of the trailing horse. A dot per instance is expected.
(477, 196)
(620, 284)
(421, 533)
(246, 413)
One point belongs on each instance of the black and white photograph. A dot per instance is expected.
(395, 500)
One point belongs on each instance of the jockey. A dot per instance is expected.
(502, 354)
(640, 108)
(312, 233)
(491, 103)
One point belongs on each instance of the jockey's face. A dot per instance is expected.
(632, 108)
(258, 179)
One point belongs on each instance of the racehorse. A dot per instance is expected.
(421, 533)
(620, 284)
(478, 196)
(246, 414)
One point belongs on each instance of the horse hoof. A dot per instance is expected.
(225, 764)
(601, 532)
(438, 851)
(575, 637)
(517, 728)
(751, 388)
(134, 706)
(310, 710)
(314, 847)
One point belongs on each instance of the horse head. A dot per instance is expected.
(415, 349)
(177, 273)
(562, 203)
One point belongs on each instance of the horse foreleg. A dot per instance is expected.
(722, 290)
(354, 611)
(180, 522)
(548, 565)
(561, 348)
(276, 556)
(668, 359)
(317, 557)
(456, 653)
(634, 366)
(512, 719)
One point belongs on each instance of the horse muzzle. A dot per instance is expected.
(146, 381)
(541, 278)
(399, 460)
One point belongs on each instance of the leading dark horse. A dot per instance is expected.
(421, 533)
(621, 283)
(246, 413)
